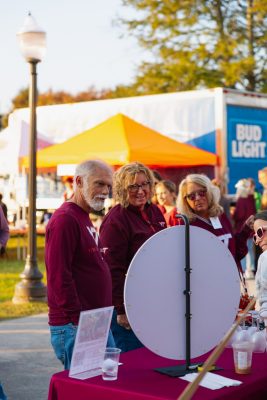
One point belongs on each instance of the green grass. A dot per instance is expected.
(10, 270)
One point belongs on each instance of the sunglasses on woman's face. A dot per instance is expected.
(200, 193)
(259, 234)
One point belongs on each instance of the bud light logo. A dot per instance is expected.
(248, 142)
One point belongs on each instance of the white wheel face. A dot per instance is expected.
(154, 292)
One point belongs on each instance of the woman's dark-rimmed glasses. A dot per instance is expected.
(135, 187)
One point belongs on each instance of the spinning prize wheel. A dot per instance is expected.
(154, 293)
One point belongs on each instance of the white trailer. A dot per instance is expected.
(230, 123)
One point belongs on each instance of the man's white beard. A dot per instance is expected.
(96, 204)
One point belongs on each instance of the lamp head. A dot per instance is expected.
(32, 40)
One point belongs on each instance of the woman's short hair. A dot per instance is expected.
(125, 176)
(213, 196)
(261, 215)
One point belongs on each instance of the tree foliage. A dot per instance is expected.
(200, 43)
(50, 97)
(61, 97)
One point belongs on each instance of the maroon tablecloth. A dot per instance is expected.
(137, 380)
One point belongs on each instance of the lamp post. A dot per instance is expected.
(32, 41)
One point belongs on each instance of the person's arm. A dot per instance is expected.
(62, 242)
(4, 229)
(114, 239)
(242, 237)
(261, 286)
(238, 213)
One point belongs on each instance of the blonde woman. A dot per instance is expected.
(124, 229)
(198, 199)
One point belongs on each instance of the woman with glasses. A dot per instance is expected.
(124, 229)
(260, 239)
(198, 199)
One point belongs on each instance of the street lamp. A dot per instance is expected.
(32, 41)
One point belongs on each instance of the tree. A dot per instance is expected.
(21, 100)
(61, 97)
(200, 43)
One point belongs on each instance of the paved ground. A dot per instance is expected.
(26, 358)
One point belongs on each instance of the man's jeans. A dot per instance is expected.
(62, 340)
(125, 339)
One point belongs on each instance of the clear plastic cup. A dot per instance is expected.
(234, 337)
(243, 356)
(242, 335)
(259, 341)
(110, 364)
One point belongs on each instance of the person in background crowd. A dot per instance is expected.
(198, 199)
(3, 205)
(68, 193)
(4, 236)
(166, 197)
(13, 210)
(245, 203)
(262, 177)
(262, 174)
(78, 278)
(224, 201)
(256, 194)
(46, 217)
(255, 249)
(4, 232)
(245, 206)
(157, 178)
(260, 239)
(124, 229)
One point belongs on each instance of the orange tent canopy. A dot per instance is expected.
(120, 140)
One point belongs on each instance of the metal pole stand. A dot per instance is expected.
(187, 368)
(31, 288)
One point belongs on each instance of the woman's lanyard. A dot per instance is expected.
(207, 221)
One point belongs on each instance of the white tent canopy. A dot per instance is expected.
(168, 114)
(14, 143)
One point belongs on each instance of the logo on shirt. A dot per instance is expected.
(104, 249)
(93, 233)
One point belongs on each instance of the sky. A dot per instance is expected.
(85, 47)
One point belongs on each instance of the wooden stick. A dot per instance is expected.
(192, 386)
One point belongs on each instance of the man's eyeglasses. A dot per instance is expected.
(259, 233)
(135, 187)
(193, 196)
